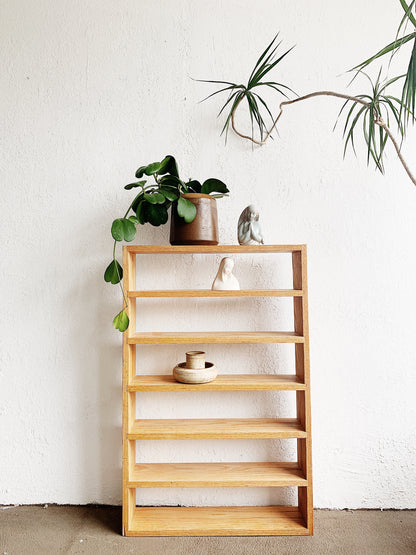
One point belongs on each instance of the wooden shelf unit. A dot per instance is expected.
(218, 521)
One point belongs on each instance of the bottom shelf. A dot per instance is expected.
(217, 521)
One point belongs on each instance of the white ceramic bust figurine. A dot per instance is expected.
(225, 280)
(249, 230)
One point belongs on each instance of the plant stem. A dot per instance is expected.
(378, 121)
(285, 103)
(119, 277)
(114, 253)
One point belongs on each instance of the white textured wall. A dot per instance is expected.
(90, 91)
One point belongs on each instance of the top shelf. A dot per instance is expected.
(202, 249)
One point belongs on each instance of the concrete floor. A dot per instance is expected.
(71, 529)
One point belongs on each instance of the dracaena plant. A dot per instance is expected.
(151, 205)
(373, 109)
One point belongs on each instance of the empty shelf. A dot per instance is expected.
(180, 475)
(216, 521)
(216, 428)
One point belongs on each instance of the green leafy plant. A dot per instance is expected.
(255, 103)
(375, 108)
(151, 205)
(408, 97)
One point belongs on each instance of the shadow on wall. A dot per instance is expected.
(97, 358)
(95, 354)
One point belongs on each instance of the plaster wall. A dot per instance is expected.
(92, 90)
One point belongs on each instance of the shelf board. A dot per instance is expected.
(216, 521)
(204, 249)
(216, 428)
(182, 475)
(210, 293)
(223, 382)
(215, 337)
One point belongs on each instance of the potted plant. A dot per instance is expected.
(194, 214)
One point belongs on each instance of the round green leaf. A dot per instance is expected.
(155, 214)
(168, 165)
(140, 172)
(121, 321)
(140, 213)
(194, 185)
(134, 185)
(152, 168)
(154, 197)
(136, 201)
(129, 230)
(170, 181)
(169, 193)
(214, 186)
(123, 229)
(134, 219)
(186, 210)
(113, 273)
(117, 230)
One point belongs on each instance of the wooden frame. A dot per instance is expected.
(206, 521)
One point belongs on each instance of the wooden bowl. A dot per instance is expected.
(195, 375)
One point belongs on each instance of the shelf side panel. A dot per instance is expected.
(303, 402)
(129, 399)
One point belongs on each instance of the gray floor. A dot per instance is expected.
(70, 529)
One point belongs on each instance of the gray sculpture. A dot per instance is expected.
(249, 230)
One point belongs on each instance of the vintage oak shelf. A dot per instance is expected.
(218, 521)
(184, 475)
(216, 428)
(224, 382)
(209, 249)
(150, 338)
(210, 293)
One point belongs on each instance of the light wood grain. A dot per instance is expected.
(223, 382)
(153, 338)
(217, 521)
(210, 293)
(182, 475)
(216, 428)
(198, 521)
(129, 399)
(205, 249)
(303, 403)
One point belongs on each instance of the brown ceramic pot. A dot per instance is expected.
(203, 230)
